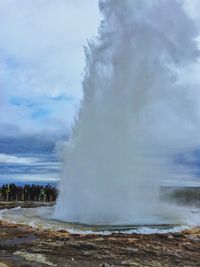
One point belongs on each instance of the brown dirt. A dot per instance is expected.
(23, 246)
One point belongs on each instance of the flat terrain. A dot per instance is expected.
(23, 246)
(23, 204)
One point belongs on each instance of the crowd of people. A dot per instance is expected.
(40, 193)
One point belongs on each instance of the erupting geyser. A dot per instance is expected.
(138, 113)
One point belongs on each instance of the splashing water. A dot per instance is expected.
(139, 111)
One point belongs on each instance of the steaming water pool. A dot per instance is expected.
(43, 218)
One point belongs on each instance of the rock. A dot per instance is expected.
(35, 257)
(30, 247)
(3, 264)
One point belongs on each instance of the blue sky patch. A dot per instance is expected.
(62, 98)
(40, 113)
(16, 101)
(11, 62)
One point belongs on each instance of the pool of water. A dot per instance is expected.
(42, 217)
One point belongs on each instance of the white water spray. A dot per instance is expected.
(136, 116)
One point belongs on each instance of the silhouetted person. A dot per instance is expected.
(4, 193)
(34, 192)
(42, 194)
(48, 192)
(7, 192)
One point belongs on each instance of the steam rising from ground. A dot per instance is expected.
(140, 110)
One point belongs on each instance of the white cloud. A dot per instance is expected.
(33, 161)
(10, 159)
(192, 7)
(24, 178)
(41, 53)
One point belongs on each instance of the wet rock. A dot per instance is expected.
(17, 241)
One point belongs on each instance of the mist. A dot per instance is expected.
(139, 113)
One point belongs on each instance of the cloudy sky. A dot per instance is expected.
(41, 68)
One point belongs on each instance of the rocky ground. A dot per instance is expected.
(23, 246)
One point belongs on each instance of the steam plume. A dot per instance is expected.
(137, 115)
